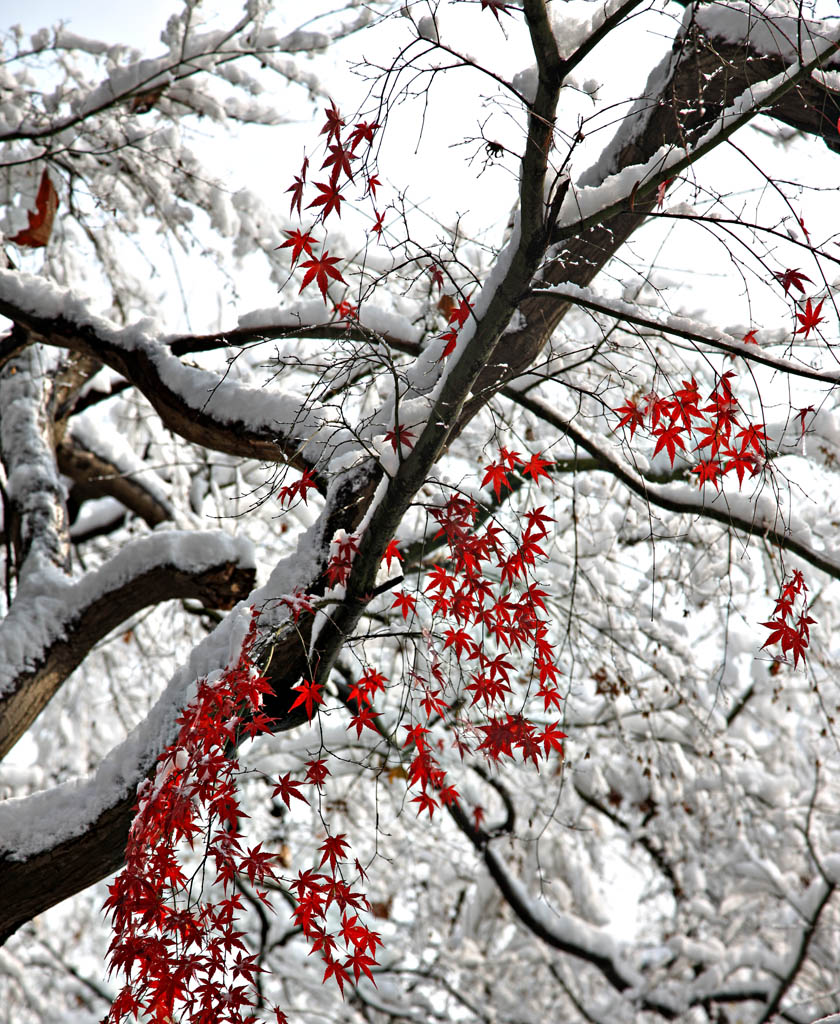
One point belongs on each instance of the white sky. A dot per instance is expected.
(126, 22)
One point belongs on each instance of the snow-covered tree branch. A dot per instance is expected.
(419, 437)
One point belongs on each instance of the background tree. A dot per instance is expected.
(458, 477)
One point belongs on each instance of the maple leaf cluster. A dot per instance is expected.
(179, 949)
(479, 616)
(341, 153)
(809, 318)
(298, 488)
(177, 943)
(718, 433)
(792, 632)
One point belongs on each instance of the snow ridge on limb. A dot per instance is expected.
(194, 403)
(54, 621)
(684, 327)
(750, 517)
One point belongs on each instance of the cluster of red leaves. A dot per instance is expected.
(714, 431)
(349, 951)
(791, 631)
(287, 494)
(342, 551)
(456, 317)
(809, 318)
(341, 153)
(479, 618)
(176, 940)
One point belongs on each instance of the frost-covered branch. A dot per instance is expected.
(54, 622)
(97, 472)
(197, 404)
(36, 516)
(759, 518)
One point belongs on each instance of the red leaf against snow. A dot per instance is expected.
(669, 438)
(792, 278)
(334, 123)
(286, 787)
(330, 198)
(496, 474)
(399, 437)
(300, 242)
(339, 159)
(297, 188)
(309, 695)
(535, 466)
(405, 603)
(495, 6)
(810, 318)
(631, 416)
(391, 552)
(707, 472)
(363, 132)
(321, 270)
(41, 219)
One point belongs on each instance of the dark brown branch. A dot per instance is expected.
(271, 442)
(655, 495)
(218, 586)
(96, 477)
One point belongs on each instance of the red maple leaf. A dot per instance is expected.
(631, 416)
(460, 313)
(321, 270)
(300, 242)
(752, 436)
(399, 436)
(37, 234)
(451, 339)
(496, 474)
(809, 318)
(297, 187)
(495, 6)
(334, 123)
(362, 132)
(309, 695)
(330, 198)
(742, 462)
(801, 417)
(316, 772)
(339, 159)
(661, 189)
(391, 552)
(707, 472)
(365, 717)
(333, 849)
(286, 787)
(792, 278)
(427, 803)
(670, 438)
(535, 466)
(405, 602)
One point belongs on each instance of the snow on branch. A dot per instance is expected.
(54, 622)
(684, 327)
(758, 517)
(217, 413)
(100, 467)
